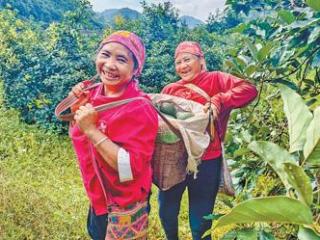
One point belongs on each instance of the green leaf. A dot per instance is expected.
(213, 216)
(252, 48)
(314, 35)
(307, 234)
(314, 4)
(300, 181)
(286, 16)
(247, 234)
(287, 83)
(250, 69)
(316, 60)
(264, 51)
(311, 149)
(230, 235)
(263, 235)
(298, 116)
(275, 156)
(279, 209)
(240, 28)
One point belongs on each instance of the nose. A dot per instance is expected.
(110, 64)
(183, 65)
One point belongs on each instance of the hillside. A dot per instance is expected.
(191, 21)
(40, 10)
(108, 15)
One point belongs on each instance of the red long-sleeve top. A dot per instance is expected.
(226, 91)
(133, 127)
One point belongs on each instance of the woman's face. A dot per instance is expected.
(188, 66)
(115, 64)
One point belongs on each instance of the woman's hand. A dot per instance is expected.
(77, 90)
(83, 96)
(86, 117)
(214, 105)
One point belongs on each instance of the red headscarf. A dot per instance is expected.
(133, 43)
(192, 48)
(189, 47)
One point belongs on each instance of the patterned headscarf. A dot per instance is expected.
(192, 48)
(189, 47)
(133, 43)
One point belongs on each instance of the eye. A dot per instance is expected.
(178, 62)
(187, 59)
(122, 60)
(105, 54)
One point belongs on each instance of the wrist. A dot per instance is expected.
(91, 132)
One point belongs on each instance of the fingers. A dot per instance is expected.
(77, 90)
(206, 107)
(215, 111)
(84, 111)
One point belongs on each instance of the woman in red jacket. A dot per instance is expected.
(226, 93)
(114, 147)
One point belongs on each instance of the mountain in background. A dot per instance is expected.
(108, 15)
(191, 21)
(47, 11)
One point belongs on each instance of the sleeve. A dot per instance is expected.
(167, 89)
(124, 166)
(234, 92)
(135, 129)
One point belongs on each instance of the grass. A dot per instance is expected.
(41, 192)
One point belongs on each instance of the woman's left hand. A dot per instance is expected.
(86, 117)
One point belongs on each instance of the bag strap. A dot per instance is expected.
(202, 93)
(69, 101)
(198, 90)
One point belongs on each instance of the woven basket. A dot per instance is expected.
(169, 161)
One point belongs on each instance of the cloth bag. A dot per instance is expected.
(173, 161)
(226, 185)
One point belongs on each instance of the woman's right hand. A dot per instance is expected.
(83, 96)
(77, 90)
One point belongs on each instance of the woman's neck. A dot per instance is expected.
(115, 90)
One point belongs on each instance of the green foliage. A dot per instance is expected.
(47, 11)
(272, 43)
(307, 234)
(41, 194)
(311, 149)
(294, 177)
(269, 209)
(299, 118)
(39, 68)
(275, 156)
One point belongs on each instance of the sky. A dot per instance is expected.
(196, 8)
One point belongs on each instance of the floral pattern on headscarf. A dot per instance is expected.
(133, 43)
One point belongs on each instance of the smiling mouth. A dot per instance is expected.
(109, 75)
(185, 73)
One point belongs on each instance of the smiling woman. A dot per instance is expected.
(115, 65)
(219, 93)
(114, 147)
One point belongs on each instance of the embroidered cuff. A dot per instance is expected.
(124, 167)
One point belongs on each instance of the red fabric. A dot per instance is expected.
(227, 92)
(133, 43)
(133, 127)
(189, 47)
